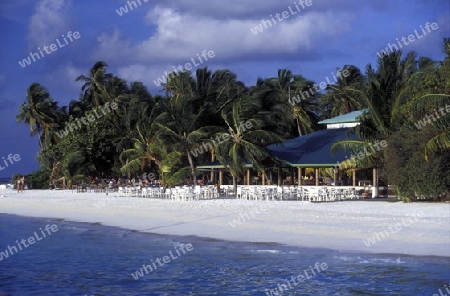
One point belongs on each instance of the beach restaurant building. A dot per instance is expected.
(303, 157)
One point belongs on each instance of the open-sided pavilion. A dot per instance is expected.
(311, 151)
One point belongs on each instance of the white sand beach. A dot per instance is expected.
(408, 229)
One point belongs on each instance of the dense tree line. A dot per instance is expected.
(153, 133)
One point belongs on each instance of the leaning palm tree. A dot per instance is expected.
(339, 100)
(179, 124)
(285, 96)
(94, 87)
(388, 90)
(436, 103)
(189, 111)
(211, 91)
(305, 111)
(40, 113)
(246, 124)
(147, 148)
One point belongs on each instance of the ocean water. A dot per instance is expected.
(5, 180)
(70, 258)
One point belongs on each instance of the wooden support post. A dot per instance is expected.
(335, 175)
(375, 183)
(279, 175)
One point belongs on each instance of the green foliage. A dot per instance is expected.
(35, 180)
(339, 99)
(406, 167)
(402, 195)
(38, 179)
(153, 133)
(41, 113)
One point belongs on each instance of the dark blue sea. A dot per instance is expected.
(5, 180)
(91, 259)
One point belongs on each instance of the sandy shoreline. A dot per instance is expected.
(374, 227)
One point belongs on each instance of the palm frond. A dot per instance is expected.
(439, 142)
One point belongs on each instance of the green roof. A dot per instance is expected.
(345, 118)
(217, 165)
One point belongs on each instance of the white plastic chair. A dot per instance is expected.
(239, 193)
(120, 191)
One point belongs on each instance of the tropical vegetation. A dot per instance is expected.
(156, 133)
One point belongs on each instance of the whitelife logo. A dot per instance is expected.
(296, 280)
(352, 162)
(35, 56)
(447, 288)
(186, 67)
(378, 236)
(124, 9)
(10, 157)
(166, 259)
(340, 74)
(422, 123)
(281, 16)
(411, 38)
(224, 136)
(31, 240)
(89, 118)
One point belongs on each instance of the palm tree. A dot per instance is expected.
(77, 108)
(190, 109)
(338, 100)
(431, 103)
(94, 87)
(305, 111)
(441, 123)
(40, 112)
(246, 124)
(274, 94)
(388, 90)
(295, 109)
(179, 124)
(147, 148)
(212, 90)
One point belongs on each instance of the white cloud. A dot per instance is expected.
(63, 76)
(179, 37)
(144, 74)
(257, 9)
(113, 46)
(135, 72)
(70, 72)
(48, 22)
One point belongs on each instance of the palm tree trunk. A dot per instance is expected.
(191, 163)
(279, 175)
(347, 107)
(213, 175)
(234, 185)
(299, 129)
(41, 145)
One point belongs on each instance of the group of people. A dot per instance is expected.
(20, 183)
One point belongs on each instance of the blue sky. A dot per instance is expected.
(156, 35)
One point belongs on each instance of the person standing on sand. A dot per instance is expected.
(22, 181)
(19, 184)
(218, 187)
